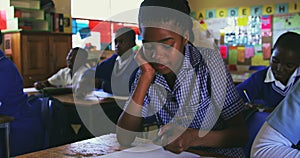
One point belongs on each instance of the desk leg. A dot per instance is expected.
(7, 138)
(5, 127)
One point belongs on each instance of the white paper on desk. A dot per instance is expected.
(30, 90)
(96, 95)
(148, 151)
(100, 94)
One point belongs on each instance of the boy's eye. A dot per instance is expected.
(165, 46)
(291, 66)
(152, 46)
(147, 46)
(274, 60)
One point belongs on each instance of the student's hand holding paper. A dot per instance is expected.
(175, 138)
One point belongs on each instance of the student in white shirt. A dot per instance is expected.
(279, 136)
(113, 74)
(70, 75)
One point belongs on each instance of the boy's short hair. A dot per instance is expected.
(289, 41)
(80, 53)
(129, 32)
(160, 11)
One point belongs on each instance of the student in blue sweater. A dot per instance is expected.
(113, 74)
(26, 131)
(269, 86)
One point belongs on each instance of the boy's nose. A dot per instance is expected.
(279, 67)
(158, 53)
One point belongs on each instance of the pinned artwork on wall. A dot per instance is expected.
(85, 32)
(258, 10)
(3, 22)
(7, 44)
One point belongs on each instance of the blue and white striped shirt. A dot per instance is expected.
(203, 96)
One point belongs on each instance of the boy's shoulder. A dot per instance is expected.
(108, 61)
(64, 70)
(201, 55)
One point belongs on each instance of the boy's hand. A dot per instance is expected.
(39, 85)
(175, 138)
(83, 88)
(143, 63)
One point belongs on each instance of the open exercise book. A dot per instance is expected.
(107, 146)
(100, 94)
(148, 151)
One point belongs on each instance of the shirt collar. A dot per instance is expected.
(192, 57)
(270, 78)
(119, 59)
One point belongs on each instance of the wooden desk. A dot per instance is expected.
(69, 99)
(5, 119)
(87, 148)
(112, 107)
(92, 116)
(94, 147)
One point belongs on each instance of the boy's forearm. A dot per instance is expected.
(232, 136)
(221, 139)
(127, 129)
(130, 120)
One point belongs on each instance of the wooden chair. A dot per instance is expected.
(4, 124)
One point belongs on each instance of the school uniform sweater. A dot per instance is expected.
(264, 93)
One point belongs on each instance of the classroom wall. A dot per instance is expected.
(64, 6)
(211, 4)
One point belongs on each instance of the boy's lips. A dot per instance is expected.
(278, 75)
(160, 66)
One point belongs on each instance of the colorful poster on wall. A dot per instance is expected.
(266, 22)
(223, 51)
(249, 52)
(266, 48)
(242, 21)
(241, 54)
(3, 24)
(7, 44)
(215, 25)
(283, 23)
(258, 10)
(257, 60)
(233, 54)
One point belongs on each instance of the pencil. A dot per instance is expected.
(247, 96)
